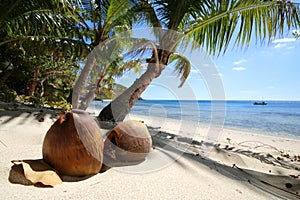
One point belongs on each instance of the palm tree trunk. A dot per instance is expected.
(93, 90)
(32, 86)
(33, 83)
(117, 110)
(82, 79)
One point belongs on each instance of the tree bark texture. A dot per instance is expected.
(117, 110)
(81, 81)
(33, 83)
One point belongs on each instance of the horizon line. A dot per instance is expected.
(145, 99)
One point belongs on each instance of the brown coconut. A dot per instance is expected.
(129, 141)
(74, 145)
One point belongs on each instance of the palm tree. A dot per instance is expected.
(106, 17)
(209, 24)
(35, 33)
(37, 20)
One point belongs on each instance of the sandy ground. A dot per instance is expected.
(188, 162)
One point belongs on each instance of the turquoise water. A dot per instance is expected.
(279, 118)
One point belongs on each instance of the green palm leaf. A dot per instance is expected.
(182, 66)
(32, 18)
(214, 26)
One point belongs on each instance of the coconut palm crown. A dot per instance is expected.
(103, 18)
(211, 25)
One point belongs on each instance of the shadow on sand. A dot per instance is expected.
(12, 111)
(282, 186)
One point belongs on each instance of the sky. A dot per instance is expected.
(270, 72)
(259, 72)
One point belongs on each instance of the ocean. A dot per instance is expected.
(277, 118)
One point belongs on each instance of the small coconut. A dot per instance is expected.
(129, 141)
(74, 145)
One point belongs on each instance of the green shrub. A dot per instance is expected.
(7, 95)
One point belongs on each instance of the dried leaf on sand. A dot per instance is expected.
(38, 173)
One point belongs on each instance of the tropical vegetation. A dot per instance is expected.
(39, 54)
(47, 45)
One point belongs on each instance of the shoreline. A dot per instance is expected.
(235, 165)
(230, 128)
(204, 128)
(285, 132)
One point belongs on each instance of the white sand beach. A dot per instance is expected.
(182, 165)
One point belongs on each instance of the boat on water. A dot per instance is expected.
(260, 103)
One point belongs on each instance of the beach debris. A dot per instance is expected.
(42, 119)
(278, 158)
(129, 141)
(195, 142)
(228, 140)
(41, 178)
(297, 158)
(170, 137)
(294, 176)
(228, 148)
(74, 145)
(239, 191)
(288, 185)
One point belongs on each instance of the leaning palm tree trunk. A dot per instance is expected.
(117, 110)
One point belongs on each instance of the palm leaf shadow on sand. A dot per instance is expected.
(189, 143)
(282, 186)
(13, 111)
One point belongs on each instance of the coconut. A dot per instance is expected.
(74, 145)
(129, 141)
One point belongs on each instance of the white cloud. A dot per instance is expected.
(271, 87)
(284, 40)
(279, 45)
(239, 61)
(284, 43)
(291, 47)
(238, 68)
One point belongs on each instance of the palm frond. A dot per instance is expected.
(134, 65)
(182, 67)
(147, 13)
(39, 19)
(216, 23)
(116, 7)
